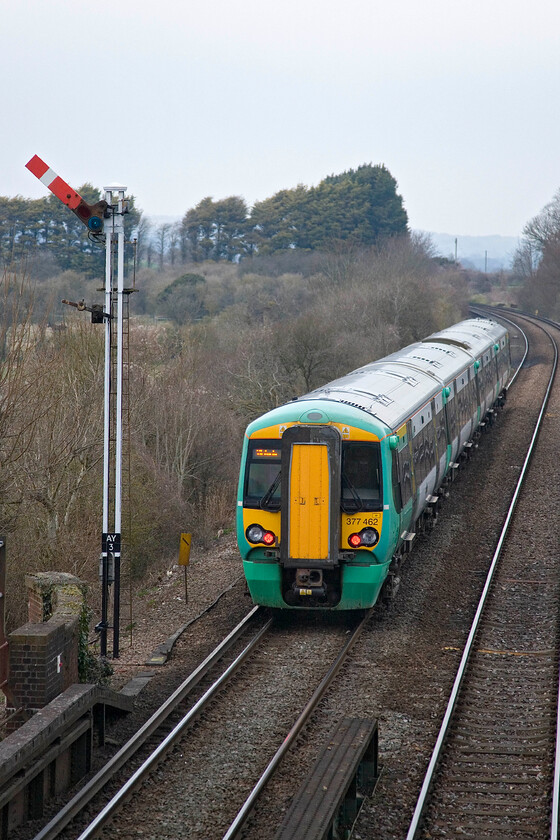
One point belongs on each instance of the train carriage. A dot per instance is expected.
(333, 484)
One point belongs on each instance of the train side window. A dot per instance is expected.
(262, 475)
(451, 417)
(417, 453)
(472, 397)
(421, 455)
(361, 476)
(430, 446)
(405, 474)
(441, 433)
(397, 495)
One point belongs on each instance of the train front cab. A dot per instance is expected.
(312, 513)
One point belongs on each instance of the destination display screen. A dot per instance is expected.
(259, 453)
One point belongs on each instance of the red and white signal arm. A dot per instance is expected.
(91, 215)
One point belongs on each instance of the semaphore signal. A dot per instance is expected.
(109, 215)
(92, 215)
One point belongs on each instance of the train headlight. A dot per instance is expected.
(369, 537)
(257, 534)
(254, 533)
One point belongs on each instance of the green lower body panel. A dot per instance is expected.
(265, 583)
(361, 585)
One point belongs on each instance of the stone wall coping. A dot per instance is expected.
(46, 580)
(49, 723)
(43, 628)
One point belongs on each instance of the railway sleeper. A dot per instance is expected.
(345, 773)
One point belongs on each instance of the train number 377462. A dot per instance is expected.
(359, 520)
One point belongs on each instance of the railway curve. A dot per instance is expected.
(401, 668)
(493, 767)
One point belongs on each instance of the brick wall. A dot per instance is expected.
(44, 652)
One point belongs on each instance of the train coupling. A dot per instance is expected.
(308, 578)
(308, 589)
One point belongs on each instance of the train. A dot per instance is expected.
(335, 484)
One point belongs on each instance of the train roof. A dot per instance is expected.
(392, 388)
(475, 335)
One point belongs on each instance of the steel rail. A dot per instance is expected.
(137, 777)
(249, 804)
(78, 802)
(436, 755)
(555, 816)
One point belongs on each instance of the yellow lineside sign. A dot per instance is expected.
(185, 549)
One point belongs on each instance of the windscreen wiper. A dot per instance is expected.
(266, 502)
(356, 500)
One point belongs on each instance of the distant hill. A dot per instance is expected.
(491, 252)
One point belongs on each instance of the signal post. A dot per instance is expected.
(110, 571)
(105, 223)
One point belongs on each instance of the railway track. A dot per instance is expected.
(162, 717)
(246, 810)
(229, 795)
(492, 773)
(263, 662)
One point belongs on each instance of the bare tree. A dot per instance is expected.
(545, 226)
(174, 242)
(170, 417)
(66, 446)
(143, 234)
(161, 242)
(19, 408)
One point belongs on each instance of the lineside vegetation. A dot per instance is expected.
(214, 343)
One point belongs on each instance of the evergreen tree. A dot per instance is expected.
(216, 229)
(359, 207)
(35, 227)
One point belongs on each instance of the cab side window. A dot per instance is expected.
(397, 495)
(405, 470)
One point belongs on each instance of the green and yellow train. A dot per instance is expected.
(334, 484)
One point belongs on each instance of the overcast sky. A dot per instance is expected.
(180, 100)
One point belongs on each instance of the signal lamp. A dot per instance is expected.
(95, 224)
(91, 215)
(355, 540)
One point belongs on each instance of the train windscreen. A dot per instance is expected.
(262, 478)
(361, 477)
